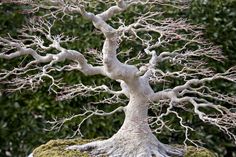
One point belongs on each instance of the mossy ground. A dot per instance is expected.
(56, 148)
(198, 152)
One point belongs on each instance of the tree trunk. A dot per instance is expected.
(134, 138)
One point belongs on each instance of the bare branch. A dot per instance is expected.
(172, 52)
(58, 124)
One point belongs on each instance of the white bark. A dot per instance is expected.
(135, 138)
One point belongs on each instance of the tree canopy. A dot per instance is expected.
(72, 77)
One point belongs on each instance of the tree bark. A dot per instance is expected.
(134, 138)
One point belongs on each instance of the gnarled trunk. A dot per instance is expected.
(134, 138)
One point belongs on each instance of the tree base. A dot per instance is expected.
(57, 148)
(129, 144)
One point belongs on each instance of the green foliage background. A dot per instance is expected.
(23, 114)
(219, 18)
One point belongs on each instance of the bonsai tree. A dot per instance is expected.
(171, 52)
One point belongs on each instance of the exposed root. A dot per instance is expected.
(131, 145)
